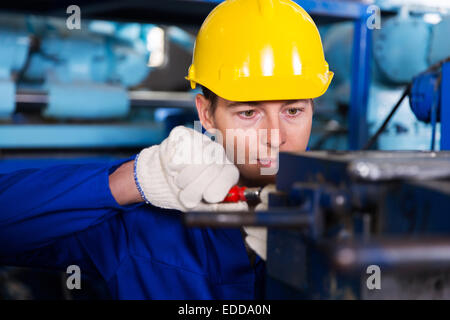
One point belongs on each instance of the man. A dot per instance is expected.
(260, 64)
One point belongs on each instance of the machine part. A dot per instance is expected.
(306, 213)
(32, 100)
(399, 66)
(418, 6)
(130, 65)
(439, 44)
(396, 169)
(383, 92)
(429, 99)
(399, 225)
(374, 138)
(86, 101)
(337, 44)
(279, 218)
(431, 49)
(103, 59)
(445, 107)
(424, 99)
(424, 94)
(398, 253)
(431, 284)
(7, 103)
(361, 66)
(162, 99)
(81, 135)
(181, 38)
(134, 132)
(15, 46)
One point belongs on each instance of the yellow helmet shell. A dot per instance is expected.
(254, 50)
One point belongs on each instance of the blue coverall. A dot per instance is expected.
(64, 215)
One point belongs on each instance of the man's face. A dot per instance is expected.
(266, 128)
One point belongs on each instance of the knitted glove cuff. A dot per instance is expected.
(151, 180)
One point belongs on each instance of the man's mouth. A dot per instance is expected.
(267, 162)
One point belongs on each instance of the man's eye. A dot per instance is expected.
(293, 111)
(247, 113)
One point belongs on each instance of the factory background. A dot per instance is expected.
(116, 85)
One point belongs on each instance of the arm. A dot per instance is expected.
(40, 206)
(123, 186)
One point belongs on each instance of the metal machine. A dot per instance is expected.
(336, 216)
(80, 88)
(430, 101)
(409, 40)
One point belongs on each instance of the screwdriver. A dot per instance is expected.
(237, 194)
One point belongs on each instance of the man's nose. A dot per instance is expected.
(275, 133)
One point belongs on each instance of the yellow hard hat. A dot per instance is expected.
(253, 50)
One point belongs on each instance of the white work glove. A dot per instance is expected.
(187, 172)
(256, 237)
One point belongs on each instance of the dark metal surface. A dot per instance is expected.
(278, 218)
(179, 12)
(36, 100)
(168, 11)
(406, 254)
(397, 220)
(333, 223)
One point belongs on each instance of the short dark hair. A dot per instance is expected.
(212, 97)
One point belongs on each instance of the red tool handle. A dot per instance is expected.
(236, 194)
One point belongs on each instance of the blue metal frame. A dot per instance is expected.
(296, 265)
(339, 9)
(445, 107)
(361, 57)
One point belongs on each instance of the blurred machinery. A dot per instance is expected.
(74, 89)
(430, 101)
(351, 213)
(411, 38)
(73, 79)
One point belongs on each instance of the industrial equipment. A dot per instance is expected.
(338, 215)
(430, 100)
(409, 41)
(81, 88)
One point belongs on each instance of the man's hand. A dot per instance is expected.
(187, 171)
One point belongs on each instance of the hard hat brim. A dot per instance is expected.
(269, 88)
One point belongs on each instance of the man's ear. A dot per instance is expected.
(204, 111)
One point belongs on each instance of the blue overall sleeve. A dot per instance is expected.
(41, 211)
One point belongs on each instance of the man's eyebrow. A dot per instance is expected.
(256, 103)
(294, 101)
(244, 103)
